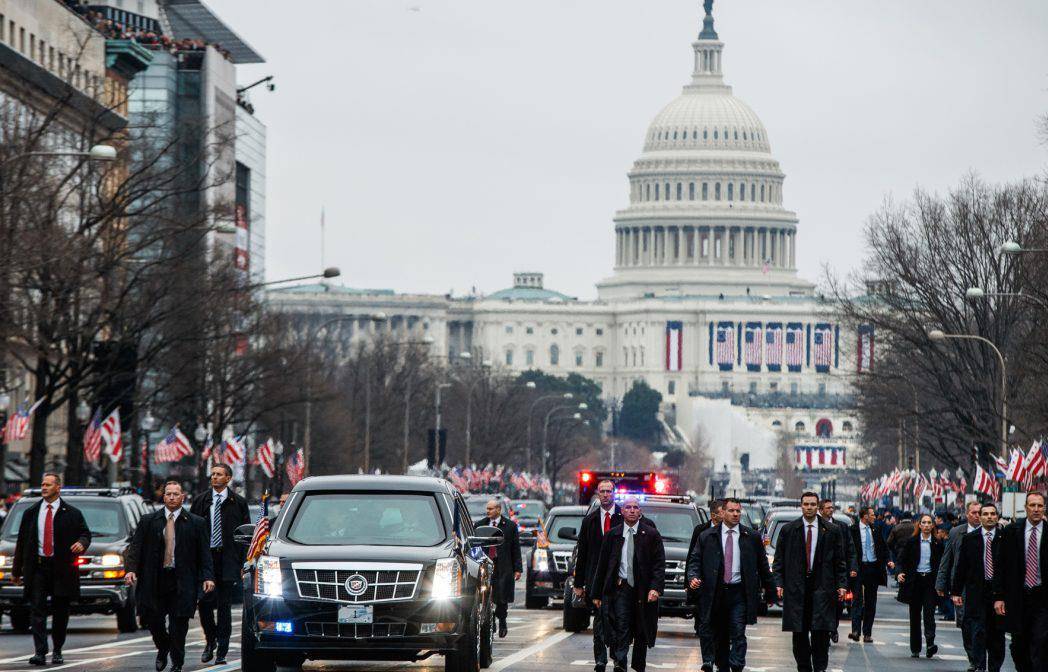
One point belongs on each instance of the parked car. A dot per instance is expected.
(529, 514)
(548, 565)
(112, 514)
(370, 568)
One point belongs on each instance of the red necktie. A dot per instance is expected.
(49, 533)
(607, 522)
(807, 549)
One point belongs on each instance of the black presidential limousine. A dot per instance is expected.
(370, 568)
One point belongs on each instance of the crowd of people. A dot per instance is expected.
(991, 578)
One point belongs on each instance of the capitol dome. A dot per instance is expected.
(705, 213)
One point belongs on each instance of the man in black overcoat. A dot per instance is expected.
(729, 593)
(871, 553)
(826, 510)
(227, 558)
(972, 588)
(50, 536)
(1019, 586)
(944, 581)
(594, 526)
(630, 584)
(170, 562)
(810, 575)
(702, 630)
(507, 559)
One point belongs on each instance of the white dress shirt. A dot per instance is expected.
(736, 562)
(814, 537)
(1040, 544)
(41, 519)
(624, 560)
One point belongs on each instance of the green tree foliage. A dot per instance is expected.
(582, 389)
(639, 417)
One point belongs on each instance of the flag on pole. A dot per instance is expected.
(17, 426)
(1016, 470)
(296, 467)
(111, 436)
(1036, 462)
(93, 437)
(265, 458)
(261, 534)
(173, 447)
(234, 450)
(674, 346)
(985, 482)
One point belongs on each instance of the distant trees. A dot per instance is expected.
(638, 419)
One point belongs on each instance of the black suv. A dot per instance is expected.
(676, 517)
(112, 515)
(370, 568)
(548, 565)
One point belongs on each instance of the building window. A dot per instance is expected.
(846, 426)
(725, 387)
(529, 357)
(773, 386)
(762, 193)
(753, 387)
(824, 428)
(674, 135)
(642, 355)
(714, 134)
(705, 191)
(554, 355)
(680, 191)
(509, 358)
(598, 359)
(671, 388)
(776, 424)
(633, 354)
(822, 389)
(509, 328)
(600, 332)
(625, 356)
(579, 355)
(731, 191)
(691, 191)
(529, 330)
(742, 191)
(799, 427)
(753, 193)
(705, 134)
(744, 135)
(793, 389)
(578, 331)
(656, 191)
(666, 193)
(716, 191)
(553, 331)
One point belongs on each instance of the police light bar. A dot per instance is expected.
(621, 495)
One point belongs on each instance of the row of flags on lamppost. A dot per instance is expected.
(1023, 468)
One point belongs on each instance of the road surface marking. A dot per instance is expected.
(528, 652)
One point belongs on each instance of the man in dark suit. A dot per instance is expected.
(826, 510)
(872, 556)
(51, 534)
(594, 526)
(170, 561)
(223, 511)
(728, 567)
(702, 630)
(810, 575)
(507, 559)
(944, 581)
(630, 577)
(1019, 586)
(972, 588)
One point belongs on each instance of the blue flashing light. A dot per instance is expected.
(283, 626)
(621, 496)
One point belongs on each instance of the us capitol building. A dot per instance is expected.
(703, 303)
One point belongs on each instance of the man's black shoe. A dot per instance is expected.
(854, 636)
(503, 630)
(161, 661)
(867, 640)
(220, 659)
(38, 659)
(619, 669)
(915, 654)
(834, 636)
(57, 658)
(932, 650)
(176, 668)
(209, 652)
(706, 667)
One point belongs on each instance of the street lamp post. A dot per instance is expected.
(469, 409)
(938, 336)
(531, 385)
(436, 431)
(582, 406)
(978, 293)
(1014, 249)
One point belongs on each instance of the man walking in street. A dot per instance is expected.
(1019, 586)
(630, 577)
(810, 575)
(702, 630)
(50, 536)
(729, 569)
(947, 568)
(508, 563)
(873, 572)
(972, 587)
(826, 511)
(169, 561)
(224, 511)
(592, 530)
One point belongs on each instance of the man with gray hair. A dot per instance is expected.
(948, 567)
(507, 559)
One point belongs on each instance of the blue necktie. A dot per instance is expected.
(216, 523)
(867, 545)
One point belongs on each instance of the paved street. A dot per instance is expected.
(536, 643)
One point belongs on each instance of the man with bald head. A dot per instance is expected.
(508, 563)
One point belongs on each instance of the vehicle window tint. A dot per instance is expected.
(674, 525)
(103, 518)
(368, 519)
(463, 512)
(558, 523)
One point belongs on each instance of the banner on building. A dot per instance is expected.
(773, 346)
(752, 351)
(822, 347)
(674, 346)
(820, 457)
(865, 348)
(724, 347)
(794, 346)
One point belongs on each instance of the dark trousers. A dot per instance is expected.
(219, 600)
(601, 636)
(987, 633)
(922, 607)
(501, 610)
(626, 628)
(811, 648)
(704, 629)
(728, 621)
(168, 629)
(42, 586)
(1030, 646)
(864, 598)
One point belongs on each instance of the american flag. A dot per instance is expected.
(773, 346)
(296, 467)
(985, 482)
(938, 490)
(920, 486)
(865, 362)
(1036, 462)
(261, 534)
(111, 436)
(209, 444)
(725, 345)
(173, 447)
(265, 458)
(234, 451)
(18, 424)
(93, 437)
(753, 346)
(822, 344)
(794, 346)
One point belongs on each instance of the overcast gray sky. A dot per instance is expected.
(455, 144)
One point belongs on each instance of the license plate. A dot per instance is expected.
(365, 614)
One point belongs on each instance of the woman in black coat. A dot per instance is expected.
(919, 560)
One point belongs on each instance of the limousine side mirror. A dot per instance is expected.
(569, 533)
(244, 534)
(485, 536)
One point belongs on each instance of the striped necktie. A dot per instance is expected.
(216, 522)
(1033, 572)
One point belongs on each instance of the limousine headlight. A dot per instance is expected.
(447, 579)
(267, 577)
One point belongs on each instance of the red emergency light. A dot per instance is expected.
(586, 477)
